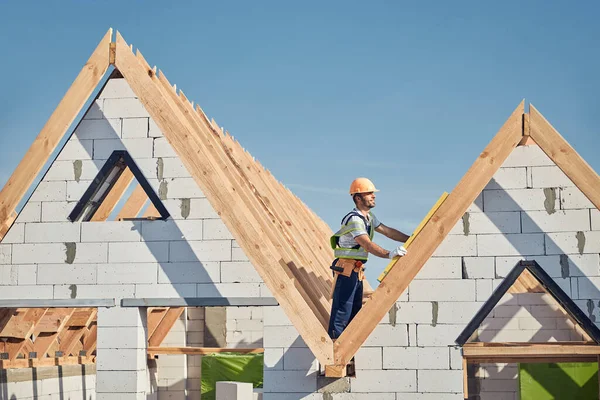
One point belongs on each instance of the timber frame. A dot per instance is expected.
(287, 243)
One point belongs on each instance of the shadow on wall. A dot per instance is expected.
(51, 383)
(561, 260)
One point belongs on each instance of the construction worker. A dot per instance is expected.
(352, 244)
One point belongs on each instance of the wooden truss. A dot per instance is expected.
(287, 243)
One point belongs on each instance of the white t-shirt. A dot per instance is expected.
(347, 240)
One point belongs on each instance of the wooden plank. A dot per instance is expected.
(134, 204)
(433, 233)
(526, 283)
(565, 157)
(18, 327)
(90, 338)
(5, 316)
(500, 359)
(69, 338)
(335, 371)
(52, 320)
(165, 325)
(154, 316)
(33, 316)
(418, 230)
(55, 128)
(151, 211)
(45, 342)
(113, 197)
(82, 317)
(531, 350)
(195, 153)
(46, 362)
(201, 350)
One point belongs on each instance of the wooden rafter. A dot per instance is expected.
(151, 212)
(6, 226)
(191, 138)
(54, 129)
(564, 156)
(200, 350)
(134, 204)
(433, 233)
(116, 192)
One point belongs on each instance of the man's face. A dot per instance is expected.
(368, 199)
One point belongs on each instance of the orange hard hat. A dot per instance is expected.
(362, 185)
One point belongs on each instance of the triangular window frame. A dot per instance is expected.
(105, 180)
(548, 284)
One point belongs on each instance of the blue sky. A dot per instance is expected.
(405, 93)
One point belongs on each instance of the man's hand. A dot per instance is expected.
(397, 252)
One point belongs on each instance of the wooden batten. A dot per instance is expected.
(134, 204)
(114, 196)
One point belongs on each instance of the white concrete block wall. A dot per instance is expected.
(21, 385)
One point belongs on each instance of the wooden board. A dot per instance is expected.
(565, 157)
(55, 128)
(134, 204)
(419, 228)
(201, 350)
(433, 233)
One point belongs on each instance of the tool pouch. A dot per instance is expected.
(346, 265)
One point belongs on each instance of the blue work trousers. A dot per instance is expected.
(347, 301)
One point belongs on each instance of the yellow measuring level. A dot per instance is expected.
(415, 233)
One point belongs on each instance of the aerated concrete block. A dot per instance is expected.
(441, 268)
(171, 230)
(508, 178)
(138, 252)
(135, 128)
(239, 272)
(234, 391)
(548, 177)
(595, 217)
(457, 312)
(415, 312)
(122, 359)
(9, 275)
(228, 290)
(512, 244)
(385, 381)
(31, 212)
(127, 273)
(456, 246)
(388, 335)
(369, 358)
(189, 272)
(520, 200)
(111, 231)
(442, 290)
(478, 267)
(93, 291)
(52, 232)
(62, 274)
(57, 253)
(527, 156)
(16, 234)
(33, 292)
(400, 358)
(75, 190)
(299, 359)
(282, 336)
(215, 229)
(174, 168)
(484, 289)
(273, 359)
(429, 358)
(275, 316)
(121, 384)
(27, 274)
(98, 129)
(124, 108)
(154, 130)
(439, 335)
(162, 148)
(290, 381)
(76, 149)
(438, 381)
(183, 188)
(573, 242)
(214, 250)
(559, 221)
(492, 223)
(166, 290)
(50, 191)
(95, 111)
(137, 148)
(117, 88)
(57, 211)
(573, 198)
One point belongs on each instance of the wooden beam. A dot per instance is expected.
(335, 371)
(46, 341)
(151, 211)
(526, 283)
(46, 362)
(165, 325)
(90, 338)
(465, 379)
(18, 327)
(154, 316)
(194, 144)
(432, 234)
(201, 350)
(6, 227)
(54, 130)
(565, 157)
(524, 350)
(134, 204)
(113, 197)
(33, 316)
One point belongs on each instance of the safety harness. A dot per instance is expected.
(348, 259)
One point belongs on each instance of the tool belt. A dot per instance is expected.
(345, 267)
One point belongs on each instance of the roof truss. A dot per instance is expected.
(549, 286)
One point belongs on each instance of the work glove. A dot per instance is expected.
(397, 252)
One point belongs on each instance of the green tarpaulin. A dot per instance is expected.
(230, 367)
(558, 381)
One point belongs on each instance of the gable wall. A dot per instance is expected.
(192, 254)
(528, 210)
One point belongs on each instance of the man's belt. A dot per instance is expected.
(345, 267)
